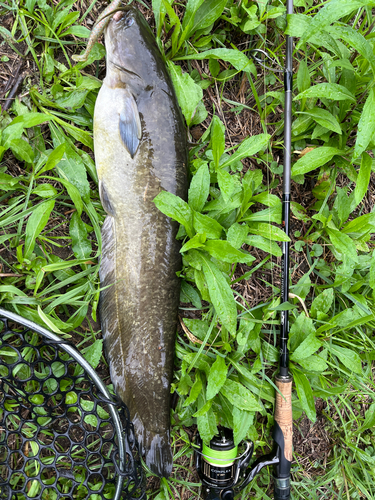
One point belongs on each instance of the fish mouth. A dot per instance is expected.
(125, 70)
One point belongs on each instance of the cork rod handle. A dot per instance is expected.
(283, 413)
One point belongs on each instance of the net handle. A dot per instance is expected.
(95, 378)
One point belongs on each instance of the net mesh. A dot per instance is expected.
(58, 439)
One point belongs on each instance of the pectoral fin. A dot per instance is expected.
(130, 125)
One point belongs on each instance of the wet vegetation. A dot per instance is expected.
(230, 232)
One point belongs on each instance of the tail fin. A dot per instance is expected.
(156, 449)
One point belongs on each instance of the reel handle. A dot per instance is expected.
(283, 437)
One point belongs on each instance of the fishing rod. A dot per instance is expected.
(222, 473)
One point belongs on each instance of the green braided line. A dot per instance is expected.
(98, 30)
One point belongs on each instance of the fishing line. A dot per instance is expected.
(62, 435)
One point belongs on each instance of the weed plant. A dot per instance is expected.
(226, 348)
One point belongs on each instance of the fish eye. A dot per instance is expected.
(129, 21)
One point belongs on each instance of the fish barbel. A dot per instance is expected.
(140, 150)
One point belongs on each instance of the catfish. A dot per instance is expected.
(140, 145)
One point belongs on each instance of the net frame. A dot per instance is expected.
(127, 476)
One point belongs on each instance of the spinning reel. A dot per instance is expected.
(224, 474)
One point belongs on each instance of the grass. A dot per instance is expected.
(230, 225)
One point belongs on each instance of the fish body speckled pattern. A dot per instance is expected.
(97, 30)
(140, 150)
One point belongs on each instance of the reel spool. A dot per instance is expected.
(219, 466)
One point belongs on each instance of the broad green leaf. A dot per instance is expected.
(32, 119)
(177, 209)
(300, 330)
(301, 124)
(248, 147)
(310, 345)
(322, 303)
(303, 77)
(195, 390)
(356, 41)
(80, 31)
(250, 182)
(78, 134)
(226, 184)
(35, 225)
(54, 158)
(45, 191)
(272, 214)
(208, 12)
(239, 396)
(196, 242)
(221, 294)
(74, 195)
(361, 224)
(7, 182)
(344, 204)
(268, 231)
(233, 56)
(188, 294)
(88, 83)
(192, 7)
(217, 139)
(72, 100)
(217, 377)
(242, 420)
(299, 212)
(221, 207)
(314, 159)
(93, 353)
(80, 244)
(343, 243)
(345, 318)
(331, 12)
(363, 178)
(302, 288)
(366, 125)
(207, 225)
(305, 394)
(324, 118)
(22, 149)
(10, 133)
(199, 188)
(268, 199)
(369, 421)
(97, 52)
(198, 327)
(206, 423)
(71, 166)
(89, 164)
(332, 91)
(313, 363)
(264, 244)
(223, 250)
(347, 357)
(236, 234)
(188, 92)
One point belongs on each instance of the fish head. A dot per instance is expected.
(132, 52)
